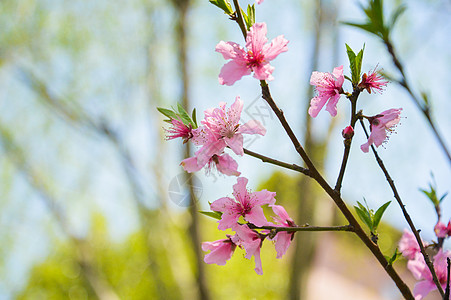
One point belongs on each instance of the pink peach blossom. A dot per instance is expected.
(283, 238)
(255, 59)
(251, 241)
(329, 87)
(246, 204)
(225, 125)
(373, 82)
(382, 123)
(421, 272)
(441, 230)
(348, 132)
(259, 1)
(221, 251)
(224, 163)
(408, 245)
(179, 129)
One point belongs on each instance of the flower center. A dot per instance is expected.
(254, 60)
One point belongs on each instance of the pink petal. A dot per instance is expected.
(378, 135)
(258, 263)
(235, 143)
(263, 72)
(230, 50)
(231, 72)
(252, 127)
(280, 211)
(277, 46)
(228, 220)
(418, 268)
(227, 165)
(234, 112)
(316, 104)
(331, 106)
(256, 216)
(239, 189)
(422, 288)
(283, 241)
(208, 150)
(366, 147)
(256, 38)
(190, 164)
(317, 78)
(223, 204)
(221, 251)
(259, 1)
(338, 73)
(263, 197)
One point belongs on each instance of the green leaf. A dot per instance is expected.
(351, 57)
(168, 113)
(224, 5)
(246, 19)
(394, 257)
(378, 215)
(398, 12)
(184, 115)
(364, 216)
(194, 117)
(250, 15)
(443, 197)
(367, 27)
(212, 214)
(346, 77)
(358, 64)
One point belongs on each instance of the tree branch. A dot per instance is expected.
(405, 213)
(266, 159)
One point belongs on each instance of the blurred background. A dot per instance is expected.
(93, 201)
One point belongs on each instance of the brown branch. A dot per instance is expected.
(305, 227)
(424, 109)
(405, 213)
(403, 288)
(279, 163)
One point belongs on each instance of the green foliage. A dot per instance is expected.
(394, 257)
(179, 114)
(212, 214)
(249, 18)
(368, 216)
(224, 5)
(432, 193)
(355, 64)
(375, 22)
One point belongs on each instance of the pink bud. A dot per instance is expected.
(348, 132)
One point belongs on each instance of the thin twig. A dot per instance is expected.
(279, 163)
(447, 291)
(424, 109)
(405, 213)
(305, 228)
(347, 142)
(403, 288)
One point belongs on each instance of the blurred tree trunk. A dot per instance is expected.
(305, 243)
(182, 7)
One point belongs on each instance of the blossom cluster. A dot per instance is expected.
(411, 250)
(247, 205)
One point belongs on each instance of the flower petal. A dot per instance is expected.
(230, 50)
(227, 165)
(231, 72)
(277, 46)
(256, 38)
(331, 106)
(316, 104)
(256, 216)
(190, 164)
(252, 127)
(263, 72)
(283, 241)
(235, 143)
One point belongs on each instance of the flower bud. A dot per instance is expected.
(348, 132)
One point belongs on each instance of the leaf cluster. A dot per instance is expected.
(432, 193)
(375, 22)
(179, 114)
(355, 64)
(369, 217)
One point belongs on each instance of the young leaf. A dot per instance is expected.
(168, 113)
(224, 5)
(194, 117)
(184, 115)
(212, 214)
(396, 14)
(394, 257)
(358, 64)
(364, 216)
(250, 15)
(378, 215)
(246, 19)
